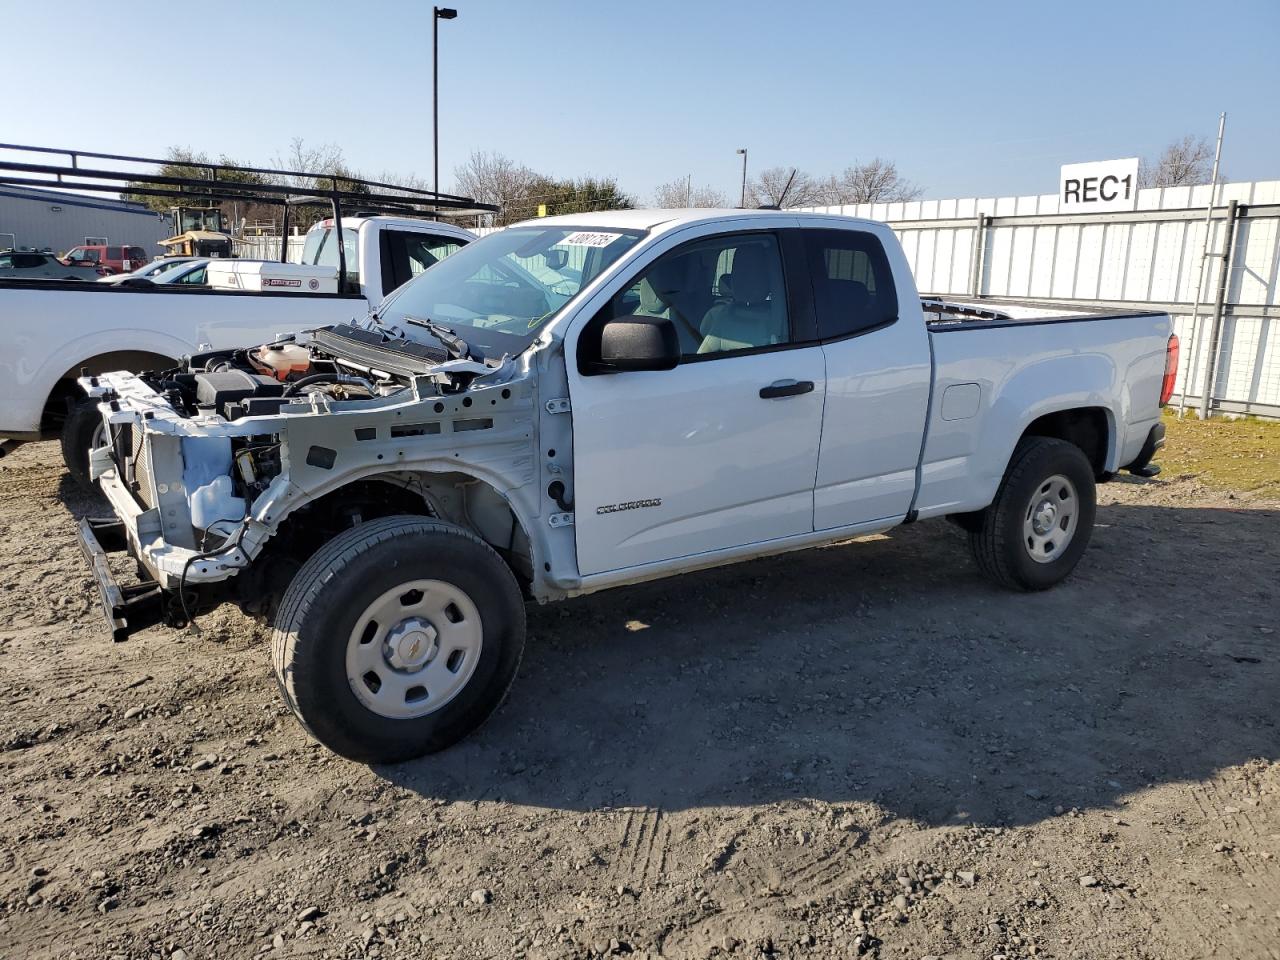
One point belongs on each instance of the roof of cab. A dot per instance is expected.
(672, 218)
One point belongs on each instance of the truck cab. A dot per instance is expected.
(380, 253)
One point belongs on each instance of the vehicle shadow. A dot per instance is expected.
(890, 671)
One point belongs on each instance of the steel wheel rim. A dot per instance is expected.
(414, 648)
(98, 438)
(1051, 518)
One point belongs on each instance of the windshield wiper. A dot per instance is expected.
(456, 346)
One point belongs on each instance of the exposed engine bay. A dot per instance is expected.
(294, 440)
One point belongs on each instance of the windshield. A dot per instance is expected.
(497, 292)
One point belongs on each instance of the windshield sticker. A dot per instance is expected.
(585, 238)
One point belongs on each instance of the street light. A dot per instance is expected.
(743, 202)
(438, 14)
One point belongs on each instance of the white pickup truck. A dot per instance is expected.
(589, 401)
(53, 331)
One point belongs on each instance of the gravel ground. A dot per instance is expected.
(858, 750)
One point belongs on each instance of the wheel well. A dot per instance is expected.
(1086, 427)
(453, 497)
(55, 407)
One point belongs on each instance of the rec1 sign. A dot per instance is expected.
(1098, 187)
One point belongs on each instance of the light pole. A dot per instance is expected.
(437, 14)
(743, 202)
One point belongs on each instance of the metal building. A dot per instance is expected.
(40, 219)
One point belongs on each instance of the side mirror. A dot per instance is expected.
(638, 343)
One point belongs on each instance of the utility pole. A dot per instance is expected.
(437, 14)
(743, 202)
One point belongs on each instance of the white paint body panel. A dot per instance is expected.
(728, 467)
(1025, 372)
(873, 420)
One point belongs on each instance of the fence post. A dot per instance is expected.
(975, 268)
(1215, 324)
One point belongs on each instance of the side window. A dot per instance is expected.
(28, 260)
(724, 294)
(327, 255)
(423, 250)
(115, 253)
(6, 263)
(405, 254)
(853, 286)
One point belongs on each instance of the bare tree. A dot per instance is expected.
(492, 178)
(768, 187)
(322, 158)
(681, 193)
(1184, 162)
(876, 181)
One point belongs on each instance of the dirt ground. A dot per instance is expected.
(859, 750)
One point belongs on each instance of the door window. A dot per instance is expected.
(853, 286)
(724, 294)
(405, 254)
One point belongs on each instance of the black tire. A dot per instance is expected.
(998, 543)
(325, 601)
(78, 434)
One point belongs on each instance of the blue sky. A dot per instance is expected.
(968, 99)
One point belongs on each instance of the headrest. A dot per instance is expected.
(854, 293)
(750, 275)
(650, 303)
(667, 276)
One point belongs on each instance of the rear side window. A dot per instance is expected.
(136, 253)
(325, 252)
(406, 254)
(115, 253)
(853, 289)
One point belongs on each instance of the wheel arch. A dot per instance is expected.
(1091, 428)
(459, 494)
(63, 387)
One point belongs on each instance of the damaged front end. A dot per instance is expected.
(207, 463)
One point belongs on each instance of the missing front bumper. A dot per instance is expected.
(128, 608)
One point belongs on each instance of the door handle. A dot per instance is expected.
(786, 388)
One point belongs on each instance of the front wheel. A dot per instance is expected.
(1033, 534)
(398, 638)
(82, 431)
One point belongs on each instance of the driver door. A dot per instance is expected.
(722, 450)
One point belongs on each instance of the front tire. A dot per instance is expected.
(398, 638)
(82, 431)
(1034, 532)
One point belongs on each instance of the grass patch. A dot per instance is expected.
(1242, 454)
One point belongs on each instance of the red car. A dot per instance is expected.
(109, 259)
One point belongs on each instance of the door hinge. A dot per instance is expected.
(560, 519)
(559, 405)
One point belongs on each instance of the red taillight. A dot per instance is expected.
(1170, 369)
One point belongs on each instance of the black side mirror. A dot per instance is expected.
(638, 343)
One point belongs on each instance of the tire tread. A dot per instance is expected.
(321, 569)
(987, 540)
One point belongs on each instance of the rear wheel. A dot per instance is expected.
(398, 638)
(1033, 534)
(82, 431)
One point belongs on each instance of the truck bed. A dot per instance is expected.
(1015, 359)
